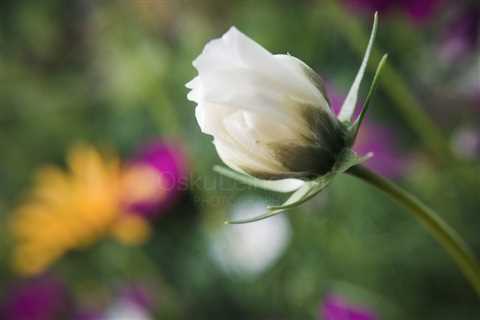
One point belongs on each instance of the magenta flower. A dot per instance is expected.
(336, 308)
(43, 298)
(419, 10)
(158, 175)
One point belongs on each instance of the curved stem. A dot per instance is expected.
(439, 229)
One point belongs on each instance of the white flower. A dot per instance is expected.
(268, 114)
(250, 249)
(271, 120)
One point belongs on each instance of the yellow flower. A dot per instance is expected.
(131, 230)
(72, 209)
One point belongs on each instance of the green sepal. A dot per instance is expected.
(281, 186)
(356, 125)
(302, 195)
(348, 108)
(310, 188)
(257, 218)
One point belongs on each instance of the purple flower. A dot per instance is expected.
(336, 308)
(419, 10)
(157, 175)
(44, 298)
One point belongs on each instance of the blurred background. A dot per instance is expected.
(109, 208)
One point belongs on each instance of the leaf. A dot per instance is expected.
(282, 186)
(358, 122)
(348, 107)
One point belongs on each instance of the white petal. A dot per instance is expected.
(193, 83)
(258, 131)
(300, 68)
(210, 118)
(283, 185)
(217, 54)
(201, 117)
(228, 84)
(237, 51)
(242, 130)
(247, 90)
(236, 158)
(196, 90)
(282, 71)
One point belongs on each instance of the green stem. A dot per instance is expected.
(439, 229)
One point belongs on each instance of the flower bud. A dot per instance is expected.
(268, 114)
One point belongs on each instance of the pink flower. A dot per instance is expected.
(42, 298)
(337, 308)
(154, 178)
